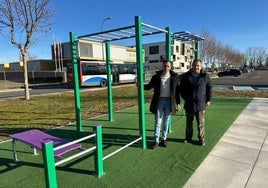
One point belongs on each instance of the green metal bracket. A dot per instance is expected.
(76, 82)
(98, 157)
(109, 81)
(49, 165)
(140, 80)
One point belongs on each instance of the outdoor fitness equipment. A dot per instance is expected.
(136, 31)
(34, 138)
(52, 147)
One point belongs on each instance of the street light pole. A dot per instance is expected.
(106, 19)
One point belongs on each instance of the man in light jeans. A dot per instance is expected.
(165, 101)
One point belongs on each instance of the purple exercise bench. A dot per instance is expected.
(35, 138)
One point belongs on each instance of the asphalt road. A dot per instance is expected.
(41, 90)
(45, 90)
(257, 78)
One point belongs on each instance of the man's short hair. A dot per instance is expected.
(165, 61)
(196, 60)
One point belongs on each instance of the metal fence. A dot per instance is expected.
(9, 80)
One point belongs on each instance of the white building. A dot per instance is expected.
(155, 53)
(95, 51)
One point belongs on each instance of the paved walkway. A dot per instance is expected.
(240, 158)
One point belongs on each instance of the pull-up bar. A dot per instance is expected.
(122, 33)
(186, 36)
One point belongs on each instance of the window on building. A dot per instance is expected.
(85, 50)
(154, 49)
(182, 64)
(182, 48)
(177, 49)
(154, 61)
(162, 58)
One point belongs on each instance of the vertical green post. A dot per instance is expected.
(109, 81)
(197, 49)
(140, 80)
(98, 156)
(168, 57)
(49, 165)
(168, 44)
(76, 82)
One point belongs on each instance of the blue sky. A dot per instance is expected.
(238, 23)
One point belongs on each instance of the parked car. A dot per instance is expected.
(229, 72)
(245, 70)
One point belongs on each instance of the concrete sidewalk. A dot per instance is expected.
(240, 158)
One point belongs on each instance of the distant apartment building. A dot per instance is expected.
(94, 51)
(155, 53)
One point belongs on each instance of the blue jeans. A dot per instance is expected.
(162, 118)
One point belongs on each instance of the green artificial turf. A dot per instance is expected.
(132, 167)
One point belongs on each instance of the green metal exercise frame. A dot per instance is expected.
(137, 31)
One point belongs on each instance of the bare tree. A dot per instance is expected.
(217, 55)
(209, 48)
(19, 21)
(256, 56)
(261, 56)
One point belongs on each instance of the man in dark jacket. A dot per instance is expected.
(165, 100)
(196, 90)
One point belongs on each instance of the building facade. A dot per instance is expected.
(94, 51)
(155, 53)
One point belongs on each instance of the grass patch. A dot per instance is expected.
(46, 112)
(237, 93)
(133, 167)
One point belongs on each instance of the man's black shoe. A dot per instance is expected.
(164, 143)
(154, 145)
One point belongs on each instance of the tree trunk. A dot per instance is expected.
(26, 84)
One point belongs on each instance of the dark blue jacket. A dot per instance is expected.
(174, 92)
(195, 96)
